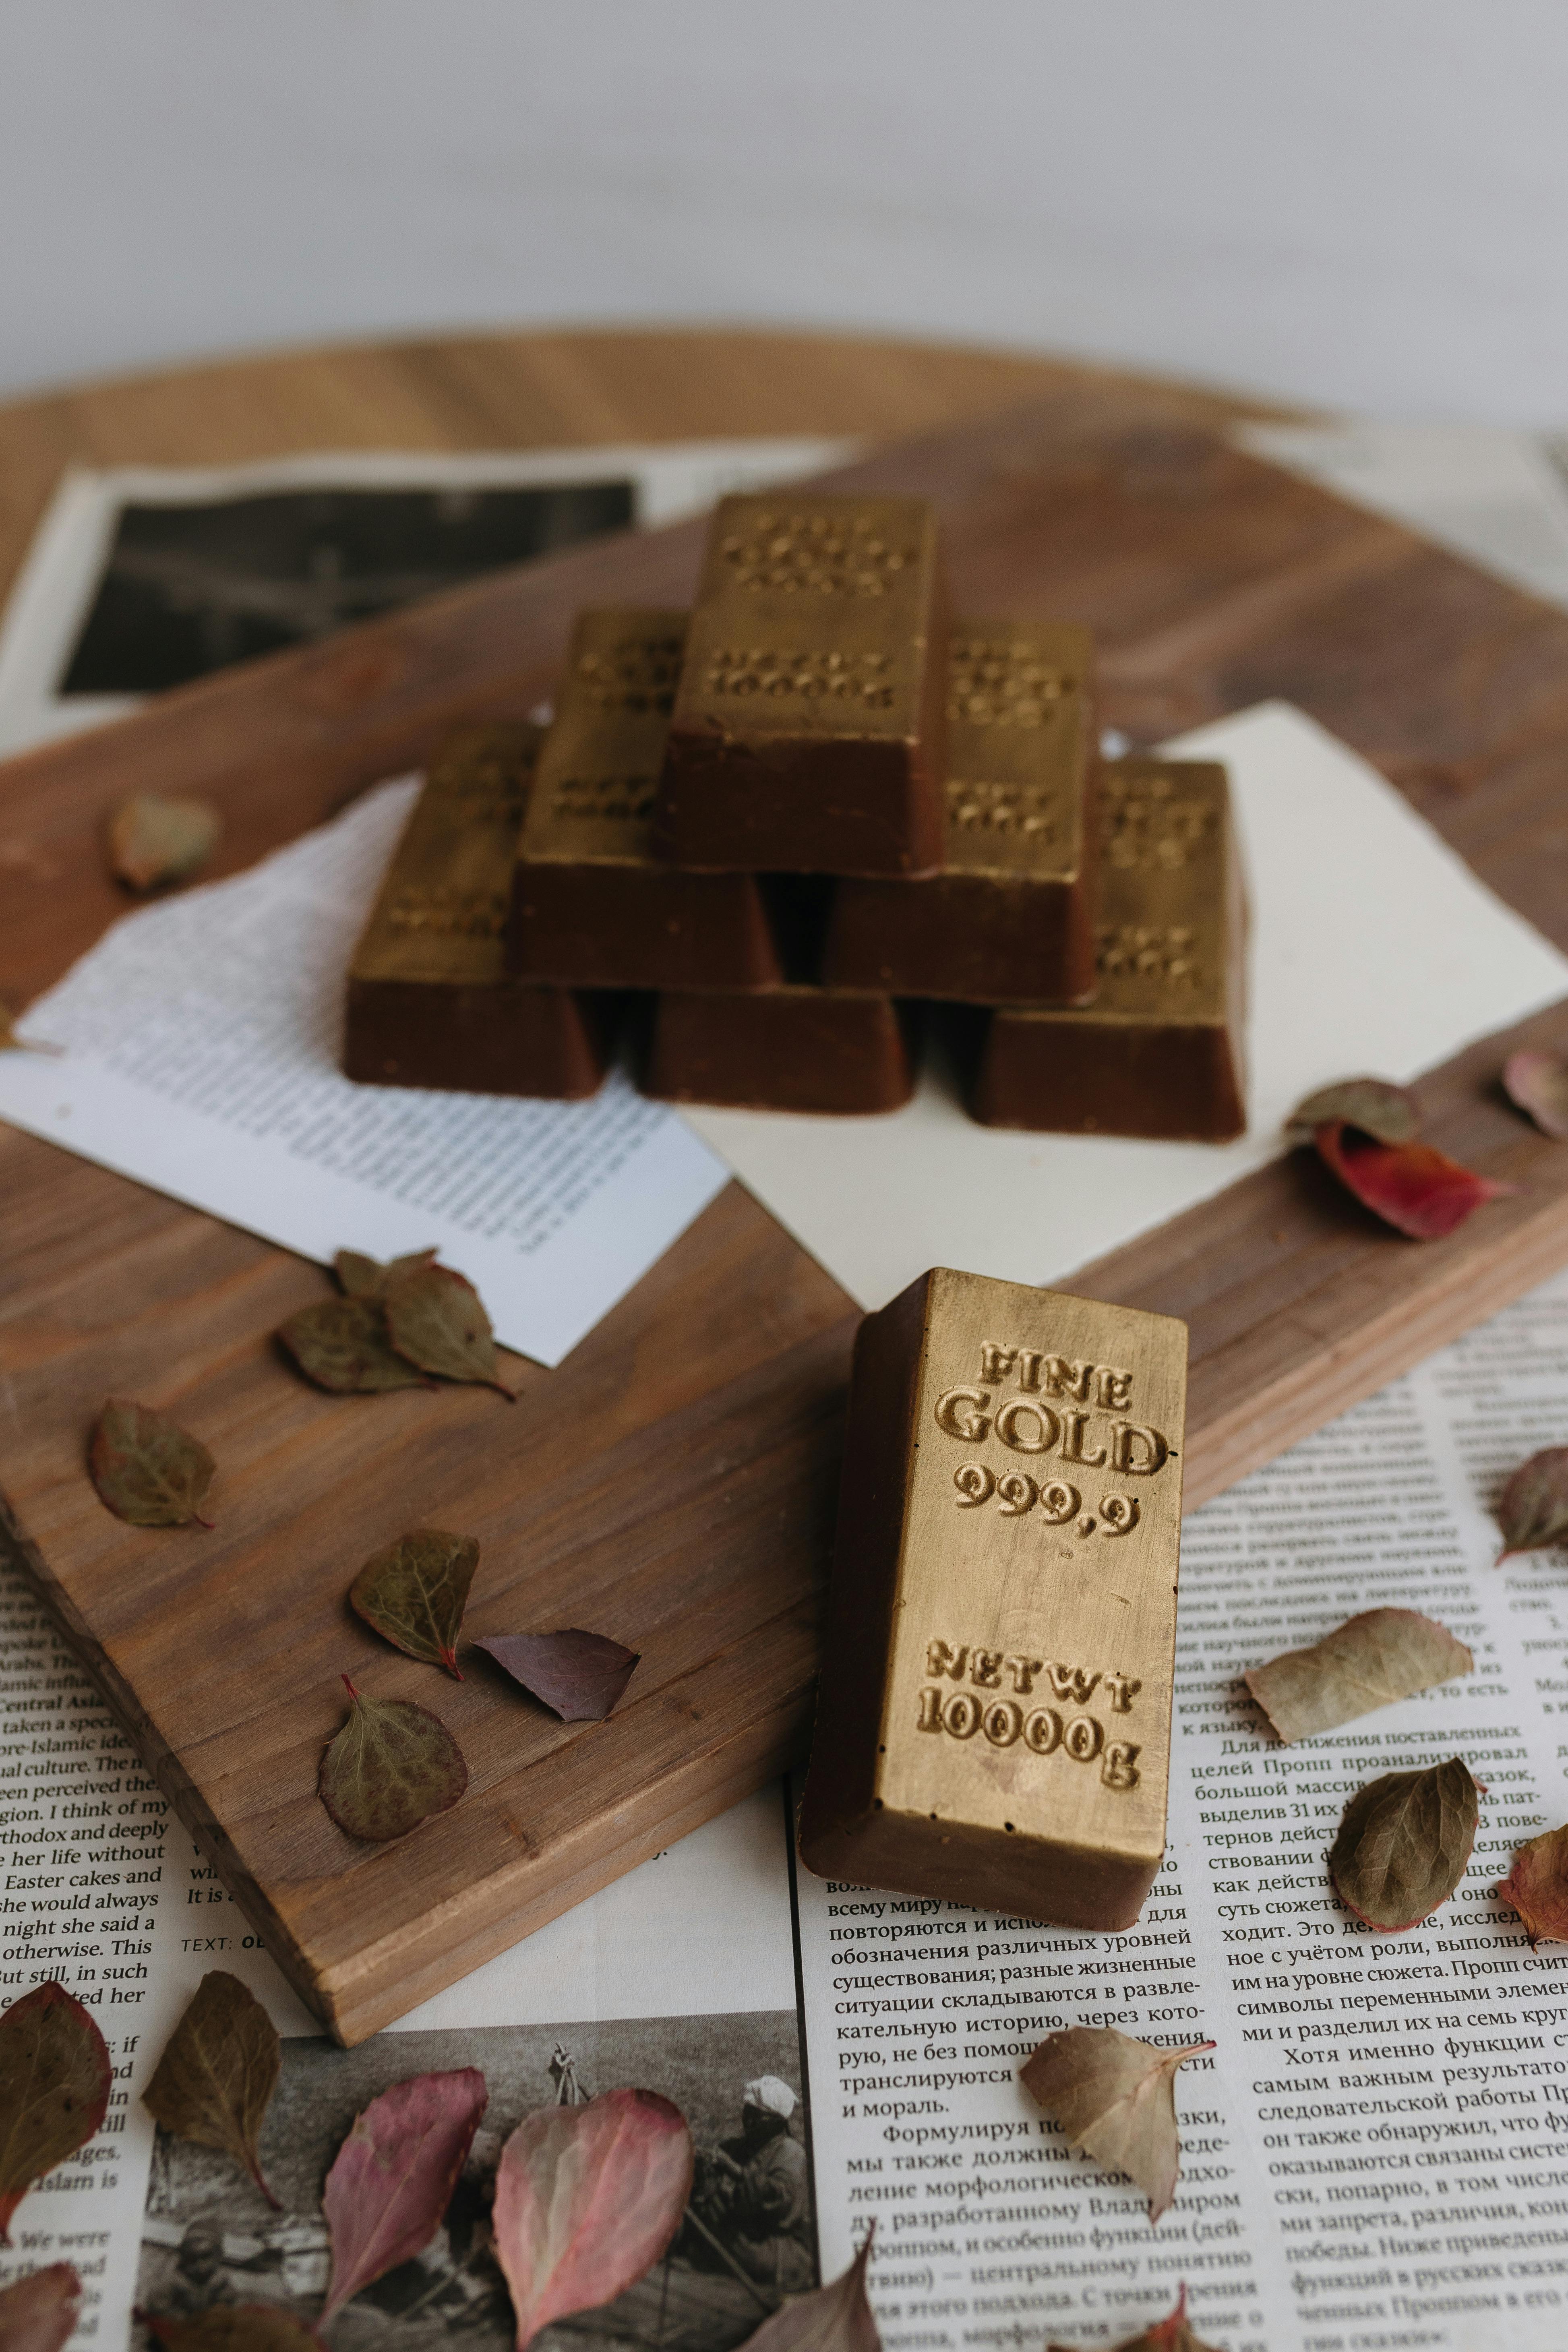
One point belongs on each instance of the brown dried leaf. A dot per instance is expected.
(38, 2313)
(147, 1469)
(1387, 1112)
(434, 1317)
(366, 1277)
(578, 1676)
(1538, 1084)
(341, 1345)
(1368, 1661)
(1114, 2097)
(1403, 1845)
(390, 1767)
(414, 1592)
(1532, 1510)
(836, 2318)
(1537, 1886)
(54, 2089)
(215, 2079)
(155, 843)
(234, 2327)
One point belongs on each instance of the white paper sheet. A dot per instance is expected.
(202, 1038)
(1373, 948)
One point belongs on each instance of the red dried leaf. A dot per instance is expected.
(1403, 1845)
(1411, 1186)
(578, 1676)
(1537, 1886)
(586, 2198)
(394, 2174)
(341, 1345)
(1532, 1510)
(1114, 2096)
(390, 1767)
(215, 2081)
(38, 2313)
(437, 1319)
(54, 2089)
(148, 1470)
(837, 2318)
(156, 842)
(1387, 1112)
(1538, 1084)
(234, 2327)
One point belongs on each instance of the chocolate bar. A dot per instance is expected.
(993, 1719)
(1010, 918)
(1159, 1052)
(808, 732)
(790, 1048)
(429, 1003)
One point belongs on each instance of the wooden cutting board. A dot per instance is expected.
(672, 1484)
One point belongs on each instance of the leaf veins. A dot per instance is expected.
(155, 843)
(341, 1345)
(393, 2176)
(1115, 2098)
(1537, 1886)
(1403, 1845)
(38, 2313)
(434, 1318)
(415, 1590)
(1532, 1510)
(578, 1676)
(1368, 1661)
(390, 1767)
(215, 2079)
(1412, 1187)
(1537, 1085)
(147, 1469)
(54, 2089)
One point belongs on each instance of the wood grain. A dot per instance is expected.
(672, 1482)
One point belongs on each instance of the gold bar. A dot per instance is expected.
(993, 1722)
(591, 904)
(429, 1004)
(1160, 1051)
(791, 1048)
(1010, 918)
(808, 732)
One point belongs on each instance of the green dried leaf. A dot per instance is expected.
(415, 1590)
(1537, 1886)
(38, 2313)
(1537, 1085)
(215, 2081)
(1403, 1845)
(155, 843)
(390, 1767)
(234, 2327)
(435, 1318)
(1372, 1104)
(1368, 1661)
(1115, 2098)
(147, 1469)
(54, 2089)
(341, 1345)
(366, 1277)
(1532, 1510)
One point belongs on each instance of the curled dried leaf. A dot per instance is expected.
(837, 2318)
(1174, 2332)
(367, 1278)
(578, 1676)
(1375, 1105)
(1418, 1191)
(414, 1592)
(1403, 1845)
(1532, 1510)
(147, 1469)
(215, 2079)
(341, 1345)
(1368, 1661)
(1115, 2098)
(586, 2198)
(234, 2327)
(54, 2089)
(155, 843)
(1537, 1886)
(38, 2313)
(392, 1766)
(1537, 1085)
(434, 1318)
(393, 2176)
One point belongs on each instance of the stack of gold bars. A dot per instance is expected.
(770, 840)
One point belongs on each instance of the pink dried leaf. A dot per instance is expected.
(1412, 1187)
(38, 2313)
(1114, 2097)
(1537, 1886)
(578, 1676)
(394, 2174)
(1537, 1085)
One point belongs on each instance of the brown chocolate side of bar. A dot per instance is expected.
(1160, 1052)
(591, 904)
(993, 1716)
(1010, 920)
(809, 733)
(791, 1048)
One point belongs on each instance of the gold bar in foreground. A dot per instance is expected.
(993, 1722)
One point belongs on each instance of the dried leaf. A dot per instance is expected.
(435, 1318)
(415, 1590)
(54, 2089)
(1418, 1190)
(1538, 1084)
(1174, 2332)
(394, 2174)
(1115, 2098)
(586, 2198)
(1403, 1844)
(1372, 1104)
(836, 2318)
(1532, 1510)
(155, 843)
(234, 2327)
(147, 1469)
(1368, 1661)
(38, 2313)
(366, 1277)
(215, 2079)
(341, 1345)
(390, 1767)
(579, 1676)
(1537, 1886)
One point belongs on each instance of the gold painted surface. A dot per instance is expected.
(443, 906)
(1021, 737)
(593, 793)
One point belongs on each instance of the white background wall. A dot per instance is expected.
(1361, 202)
